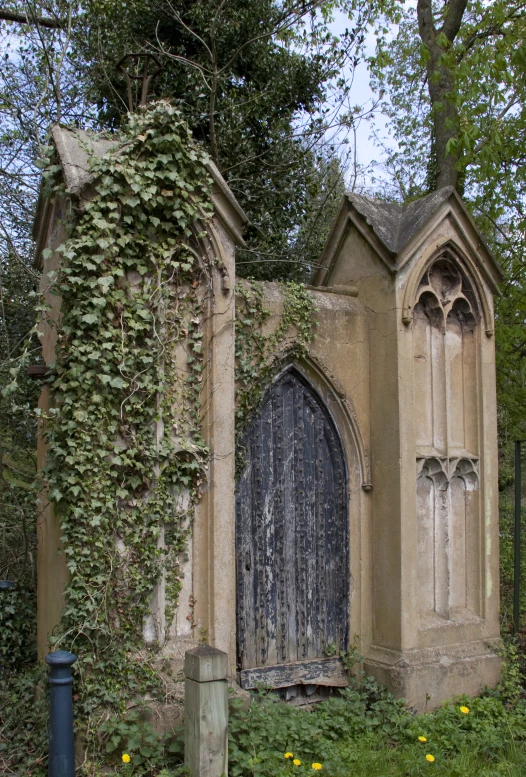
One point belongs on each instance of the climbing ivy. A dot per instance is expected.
(126, 457)
(256, 352)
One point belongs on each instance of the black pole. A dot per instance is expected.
(61, 747)
(517, 549)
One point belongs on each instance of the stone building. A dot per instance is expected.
(367, 505)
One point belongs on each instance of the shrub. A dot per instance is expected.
(17, 628)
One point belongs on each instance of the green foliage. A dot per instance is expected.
(264, 85)
(369, 758)
(350, 657)
(507, 551)
(24, 713)
(263, 732)
(18, 492)
(17, 628)
(487, 64)
(511, 686)
(149, 752)
(256, 352)
(367, 731)
(36, 86)
(126, 457)
(486, 727)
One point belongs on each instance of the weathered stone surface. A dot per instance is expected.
(427, 280)
(394, 232)
(209, 571)
(396, 224)
(402, 361)
(74, 148)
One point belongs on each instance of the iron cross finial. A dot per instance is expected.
(145, 77)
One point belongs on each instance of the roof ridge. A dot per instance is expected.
(395, 223)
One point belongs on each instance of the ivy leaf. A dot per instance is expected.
(89, 318)
(118, 382)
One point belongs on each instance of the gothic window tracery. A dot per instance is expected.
(445, 336)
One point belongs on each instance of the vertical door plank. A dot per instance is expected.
(292, 532)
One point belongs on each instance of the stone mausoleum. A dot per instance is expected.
(367, 505)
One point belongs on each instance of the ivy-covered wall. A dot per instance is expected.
(157, 364)
(136, 235)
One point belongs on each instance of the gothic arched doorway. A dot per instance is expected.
(292, 533)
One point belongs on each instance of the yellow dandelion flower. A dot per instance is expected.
(464, 709)
(296, 762)
(126, 758)
(288, 755)
(317, 766)
(422, 739)
(430, 758)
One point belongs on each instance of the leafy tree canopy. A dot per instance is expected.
(481, 104)
(265, 86)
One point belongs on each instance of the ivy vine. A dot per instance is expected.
(256, 352)
(126, 457)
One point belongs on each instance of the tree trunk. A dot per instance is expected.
(441, 84)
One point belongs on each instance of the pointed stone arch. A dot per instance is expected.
(447, 309)
(292, 534)
(450, 252)
(337, 401)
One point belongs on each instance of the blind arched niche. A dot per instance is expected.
(446, 327)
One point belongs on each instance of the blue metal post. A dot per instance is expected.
(61, 745)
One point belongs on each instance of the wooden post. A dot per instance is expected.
(206, 712)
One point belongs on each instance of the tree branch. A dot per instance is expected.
(23, 18)
(426, 26)
(453, 20)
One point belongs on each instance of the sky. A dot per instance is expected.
(369, 154)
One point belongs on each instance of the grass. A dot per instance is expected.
(365, 732)
(369, 733)
(410, 762)
(366, 759)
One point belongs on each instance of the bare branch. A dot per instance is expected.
(177, 17)
(23, 18)
(514, 100)
(287, 20)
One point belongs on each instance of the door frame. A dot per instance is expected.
(329, 671)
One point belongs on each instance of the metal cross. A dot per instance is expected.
(145, 77)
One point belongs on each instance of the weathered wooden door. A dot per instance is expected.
(292, 535)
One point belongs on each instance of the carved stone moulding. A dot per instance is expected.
(448, 283)
(444, 292)
(443, 469)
